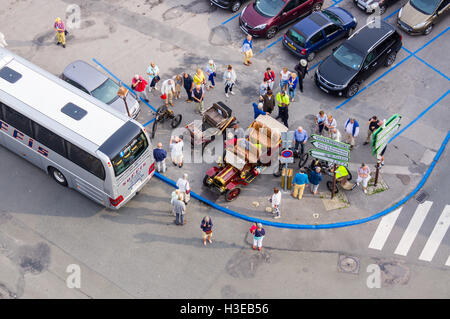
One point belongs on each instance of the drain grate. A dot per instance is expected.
(348, 264)
(421, 197)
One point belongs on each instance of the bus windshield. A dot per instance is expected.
(129, 154)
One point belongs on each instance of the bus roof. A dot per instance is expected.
(47, 94)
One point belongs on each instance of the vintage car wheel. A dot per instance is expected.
(232, 194)
(303, 158)
(205, 179)
(330, 187)
(176, 121)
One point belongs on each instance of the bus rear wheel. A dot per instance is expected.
(57, 176)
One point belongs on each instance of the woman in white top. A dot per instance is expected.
(284, 79)
(184, 188)
(276, 201)
(229, 77)
(176, 148)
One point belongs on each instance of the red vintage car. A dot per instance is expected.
(248, 158)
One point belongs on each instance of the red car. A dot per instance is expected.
(264, 18)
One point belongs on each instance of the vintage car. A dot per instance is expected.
(216, 119)
(247, 158)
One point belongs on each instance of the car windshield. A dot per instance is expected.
(296, 37)
(269, 8)
(129, 154)
(426, 6)
(334, 18)
(107, 92)
(348, 56)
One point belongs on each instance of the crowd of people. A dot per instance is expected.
(204, 80)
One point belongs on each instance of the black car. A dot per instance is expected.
(357, 58)
(370, 6)
(233, 5)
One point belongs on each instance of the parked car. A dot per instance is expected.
(318, 30)
(264, 18)
(357, 58)
(90, 80)
(419, 16)
(370, 6)
(233, 5)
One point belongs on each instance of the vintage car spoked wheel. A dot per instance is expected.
(330, 187)
(205, 179)
(232, 194)
(176, 120)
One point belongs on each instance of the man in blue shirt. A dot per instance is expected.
(299, 183)
(160, 155)
(258, 110)
(300, 138)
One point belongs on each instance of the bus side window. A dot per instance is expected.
(49, 139)
(85, 160)
(17, 120)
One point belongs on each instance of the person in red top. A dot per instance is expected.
(60, 31)
(269, 76)
(138, 84)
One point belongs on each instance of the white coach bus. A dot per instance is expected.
(72, 136)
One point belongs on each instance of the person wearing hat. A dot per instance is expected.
(211, 73)
(60, 32)
(302, 70)
(283, 104)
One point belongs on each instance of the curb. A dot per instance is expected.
(321, 226)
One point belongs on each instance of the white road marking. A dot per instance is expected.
(413, 228)
(439, 231)
(447, 263)
(384, 229)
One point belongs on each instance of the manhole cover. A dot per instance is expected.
(348, 264)
(422, 196)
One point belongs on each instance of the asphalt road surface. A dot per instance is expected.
(138, 252)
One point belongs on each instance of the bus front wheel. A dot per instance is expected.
(57, 176)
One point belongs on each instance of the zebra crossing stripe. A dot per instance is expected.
(413, 228)
(447, 263)
(438, 233)
(384, 229)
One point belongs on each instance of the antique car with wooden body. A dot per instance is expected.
(247, 158)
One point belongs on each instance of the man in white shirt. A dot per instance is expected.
(176, 149)
(276, 201)
(336, 135)
(351, 131)
(168, 88)
(184, 188)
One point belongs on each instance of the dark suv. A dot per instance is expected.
(357, 58)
